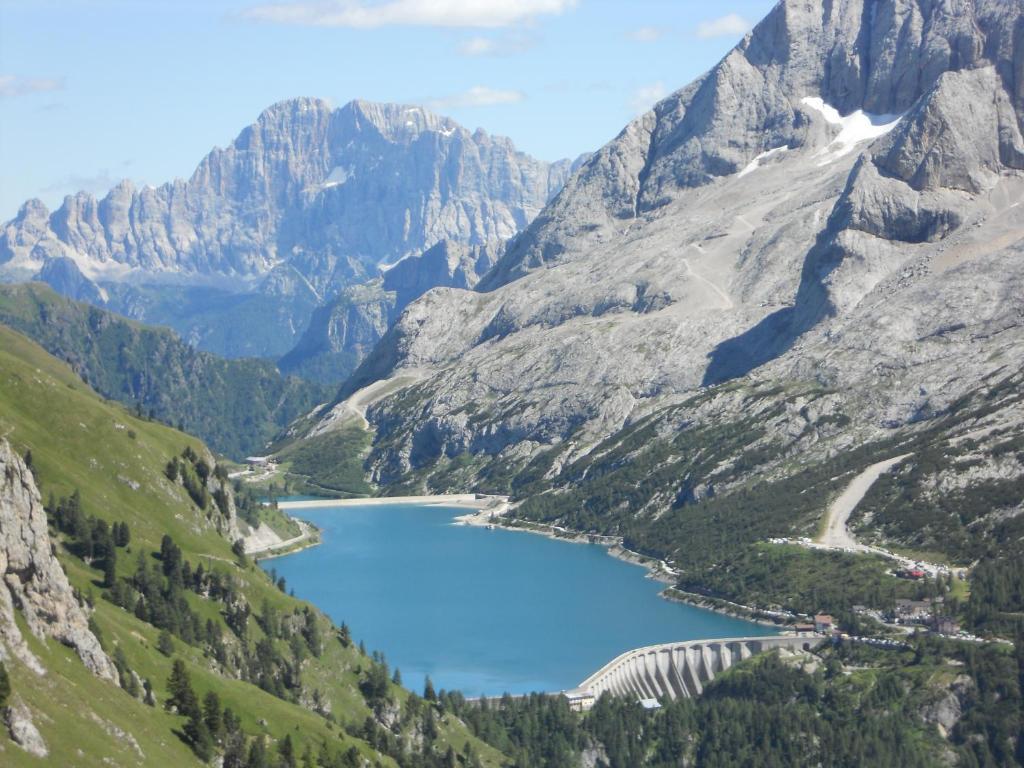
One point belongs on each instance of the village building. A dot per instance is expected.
(580, 699)
(915, 610)
(260, 462)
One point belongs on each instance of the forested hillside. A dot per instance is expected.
(236, 406)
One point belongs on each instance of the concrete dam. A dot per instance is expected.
(677, 669)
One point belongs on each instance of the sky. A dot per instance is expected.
(93, 91)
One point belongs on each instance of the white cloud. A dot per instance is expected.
(646, 34)
(477, 46)
(646, 96)
(11, 85)
(477, 96)
(507, 45)
(362, 14)
(730, 25)
(98, 183)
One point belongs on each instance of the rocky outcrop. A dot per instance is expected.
(63, 275)
(945, 711)
(23, 731)
(228, 524)
(342, 333)
(34, 583)
(308, 192)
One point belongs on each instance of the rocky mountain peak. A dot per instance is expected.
(875, 59)
(307, 197)
(397, 122)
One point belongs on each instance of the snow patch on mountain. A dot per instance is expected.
(857, 127)
(756, 162)
(338, 176)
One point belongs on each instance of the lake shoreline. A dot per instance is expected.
(491, 511)
(310, 537)
(467, 500)
(657, 570)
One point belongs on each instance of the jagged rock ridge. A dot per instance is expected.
(306, 201)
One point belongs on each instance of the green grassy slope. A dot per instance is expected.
(237, 406)
(116, 461)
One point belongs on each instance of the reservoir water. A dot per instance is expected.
(484, 611)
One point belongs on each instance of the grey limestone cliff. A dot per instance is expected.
(34, 584)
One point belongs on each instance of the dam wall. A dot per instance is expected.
(678, 670)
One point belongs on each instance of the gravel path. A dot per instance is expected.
(836, 533)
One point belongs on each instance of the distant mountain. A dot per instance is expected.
(808, 260)
(305, 202)
(237, 406)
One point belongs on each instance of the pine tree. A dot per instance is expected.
(5, 686)
(428, 690)
(429, 727)
(110, 569)
(286, 750)
(121, 665)
(311, 632)
(198, 735)
(232, 723)
(212, 715)
(182, 696)
(257, 754)
(165, 643)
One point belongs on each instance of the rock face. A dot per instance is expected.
(23, 731)
(33, 581)
(343, 332)
(307, 194)
(836, 202)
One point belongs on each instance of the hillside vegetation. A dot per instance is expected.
(167, 587)
(236, 406)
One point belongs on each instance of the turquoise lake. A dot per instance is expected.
(484, 611)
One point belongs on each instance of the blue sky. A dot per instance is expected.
(92, 91)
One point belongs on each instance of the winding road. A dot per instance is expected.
(836, 533)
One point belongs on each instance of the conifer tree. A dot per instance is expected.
(182, 696)
(5, 686)
(286, 750)
(212, 715)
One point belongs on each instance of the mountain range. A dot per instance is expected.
(817, 244)
(307, 201)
